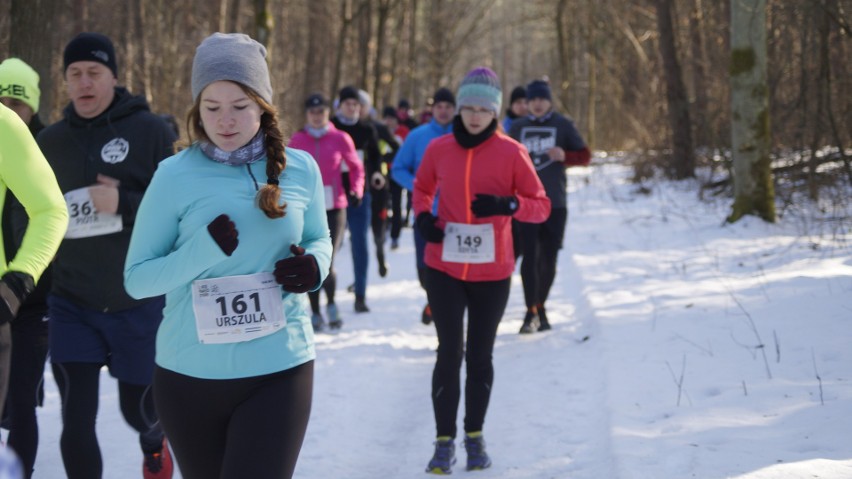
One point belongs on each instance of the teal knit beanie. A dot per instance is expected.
(481, 88)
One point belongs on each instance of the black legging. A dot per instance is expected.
(485, 302)
(541, 245)
(236, 428)
(336, 227)
(29, 337)
(396, 208)
(79, 389)
(379, 219)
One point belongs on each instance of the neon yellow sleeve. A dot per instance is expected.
(25, 171)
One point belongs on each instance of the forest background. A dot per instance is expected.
(615, 65)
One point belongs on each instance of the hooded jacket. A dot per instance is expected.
(498, 166)
(331, 151)
(125, 142)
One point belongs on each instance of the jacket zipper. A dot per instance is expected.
(467, 200)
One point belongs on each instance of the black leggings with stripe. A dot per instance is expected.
(235, 428)
(485, 302)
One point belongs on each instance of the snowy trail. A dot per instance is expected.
(372, 414)
(661, 290)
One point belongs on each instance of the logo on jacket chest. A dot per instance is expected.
(538, 140)
(115, 151)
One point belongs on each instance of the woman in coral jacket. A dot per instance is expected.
(485, 179)
(333, 150)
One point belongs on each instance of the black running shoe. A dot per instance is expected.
(530, 323)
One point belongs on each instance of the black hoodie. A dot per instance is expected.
(126, 142)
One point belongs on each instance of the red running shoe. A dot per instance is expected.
(158, 465)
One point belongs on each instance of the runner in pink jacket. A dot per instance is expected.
(332, 149)
(335, 153)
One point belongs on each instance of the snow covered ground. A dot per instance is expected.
(681, 348)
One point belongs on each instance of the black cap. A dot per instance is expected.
(518, 93)
(388, 111)
(403, 104)
(444, 94)
(315, 100)
(90, 47)
(349, 93)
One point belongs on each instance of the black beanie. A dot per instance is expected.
(518, 93)
(349, 93)
(444, 94)
(90, 47)
(538, 89)
(389, 111)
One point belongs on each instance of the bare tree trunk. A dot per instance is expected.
(263, 24)
(129, 57)
(591, 138)
(412, 53)
(395, 84)
(81, 16)
(699, 73)
(562, 40)
(754, 192)
(144, 52)
(223, 15)
(235, 24)
(385, 8)
(319, 19)
(683, 157)
(365, 37)
(346, 16)
(31, 39)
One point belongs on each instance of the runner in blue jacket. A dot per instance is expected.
(407, 161)
(233, 230)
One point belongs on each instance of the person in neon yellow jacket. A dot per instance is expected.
(24, 170)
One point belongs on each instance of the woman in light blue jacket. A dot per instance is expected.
(233, 230)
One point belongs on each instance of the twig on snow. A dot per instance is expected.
(819, 379)
(678, 380)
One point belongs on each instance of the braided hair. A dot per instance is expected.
(276, 159)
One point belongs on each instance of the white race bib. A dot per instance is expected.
(234, 309)
(83, 220)
(464, 243)
(329, 197)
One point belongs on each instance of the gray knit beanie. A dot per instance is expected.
(234, 57)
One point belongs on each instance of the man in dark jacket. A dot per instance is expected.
(554, 144)
(378, 183)
(104, 153)
(365, 137)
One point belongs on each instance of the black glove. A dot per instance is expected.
(354, 201)
(14, 289)
(224, 232)
(425, 222)
(298, 273)
(490, 205)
